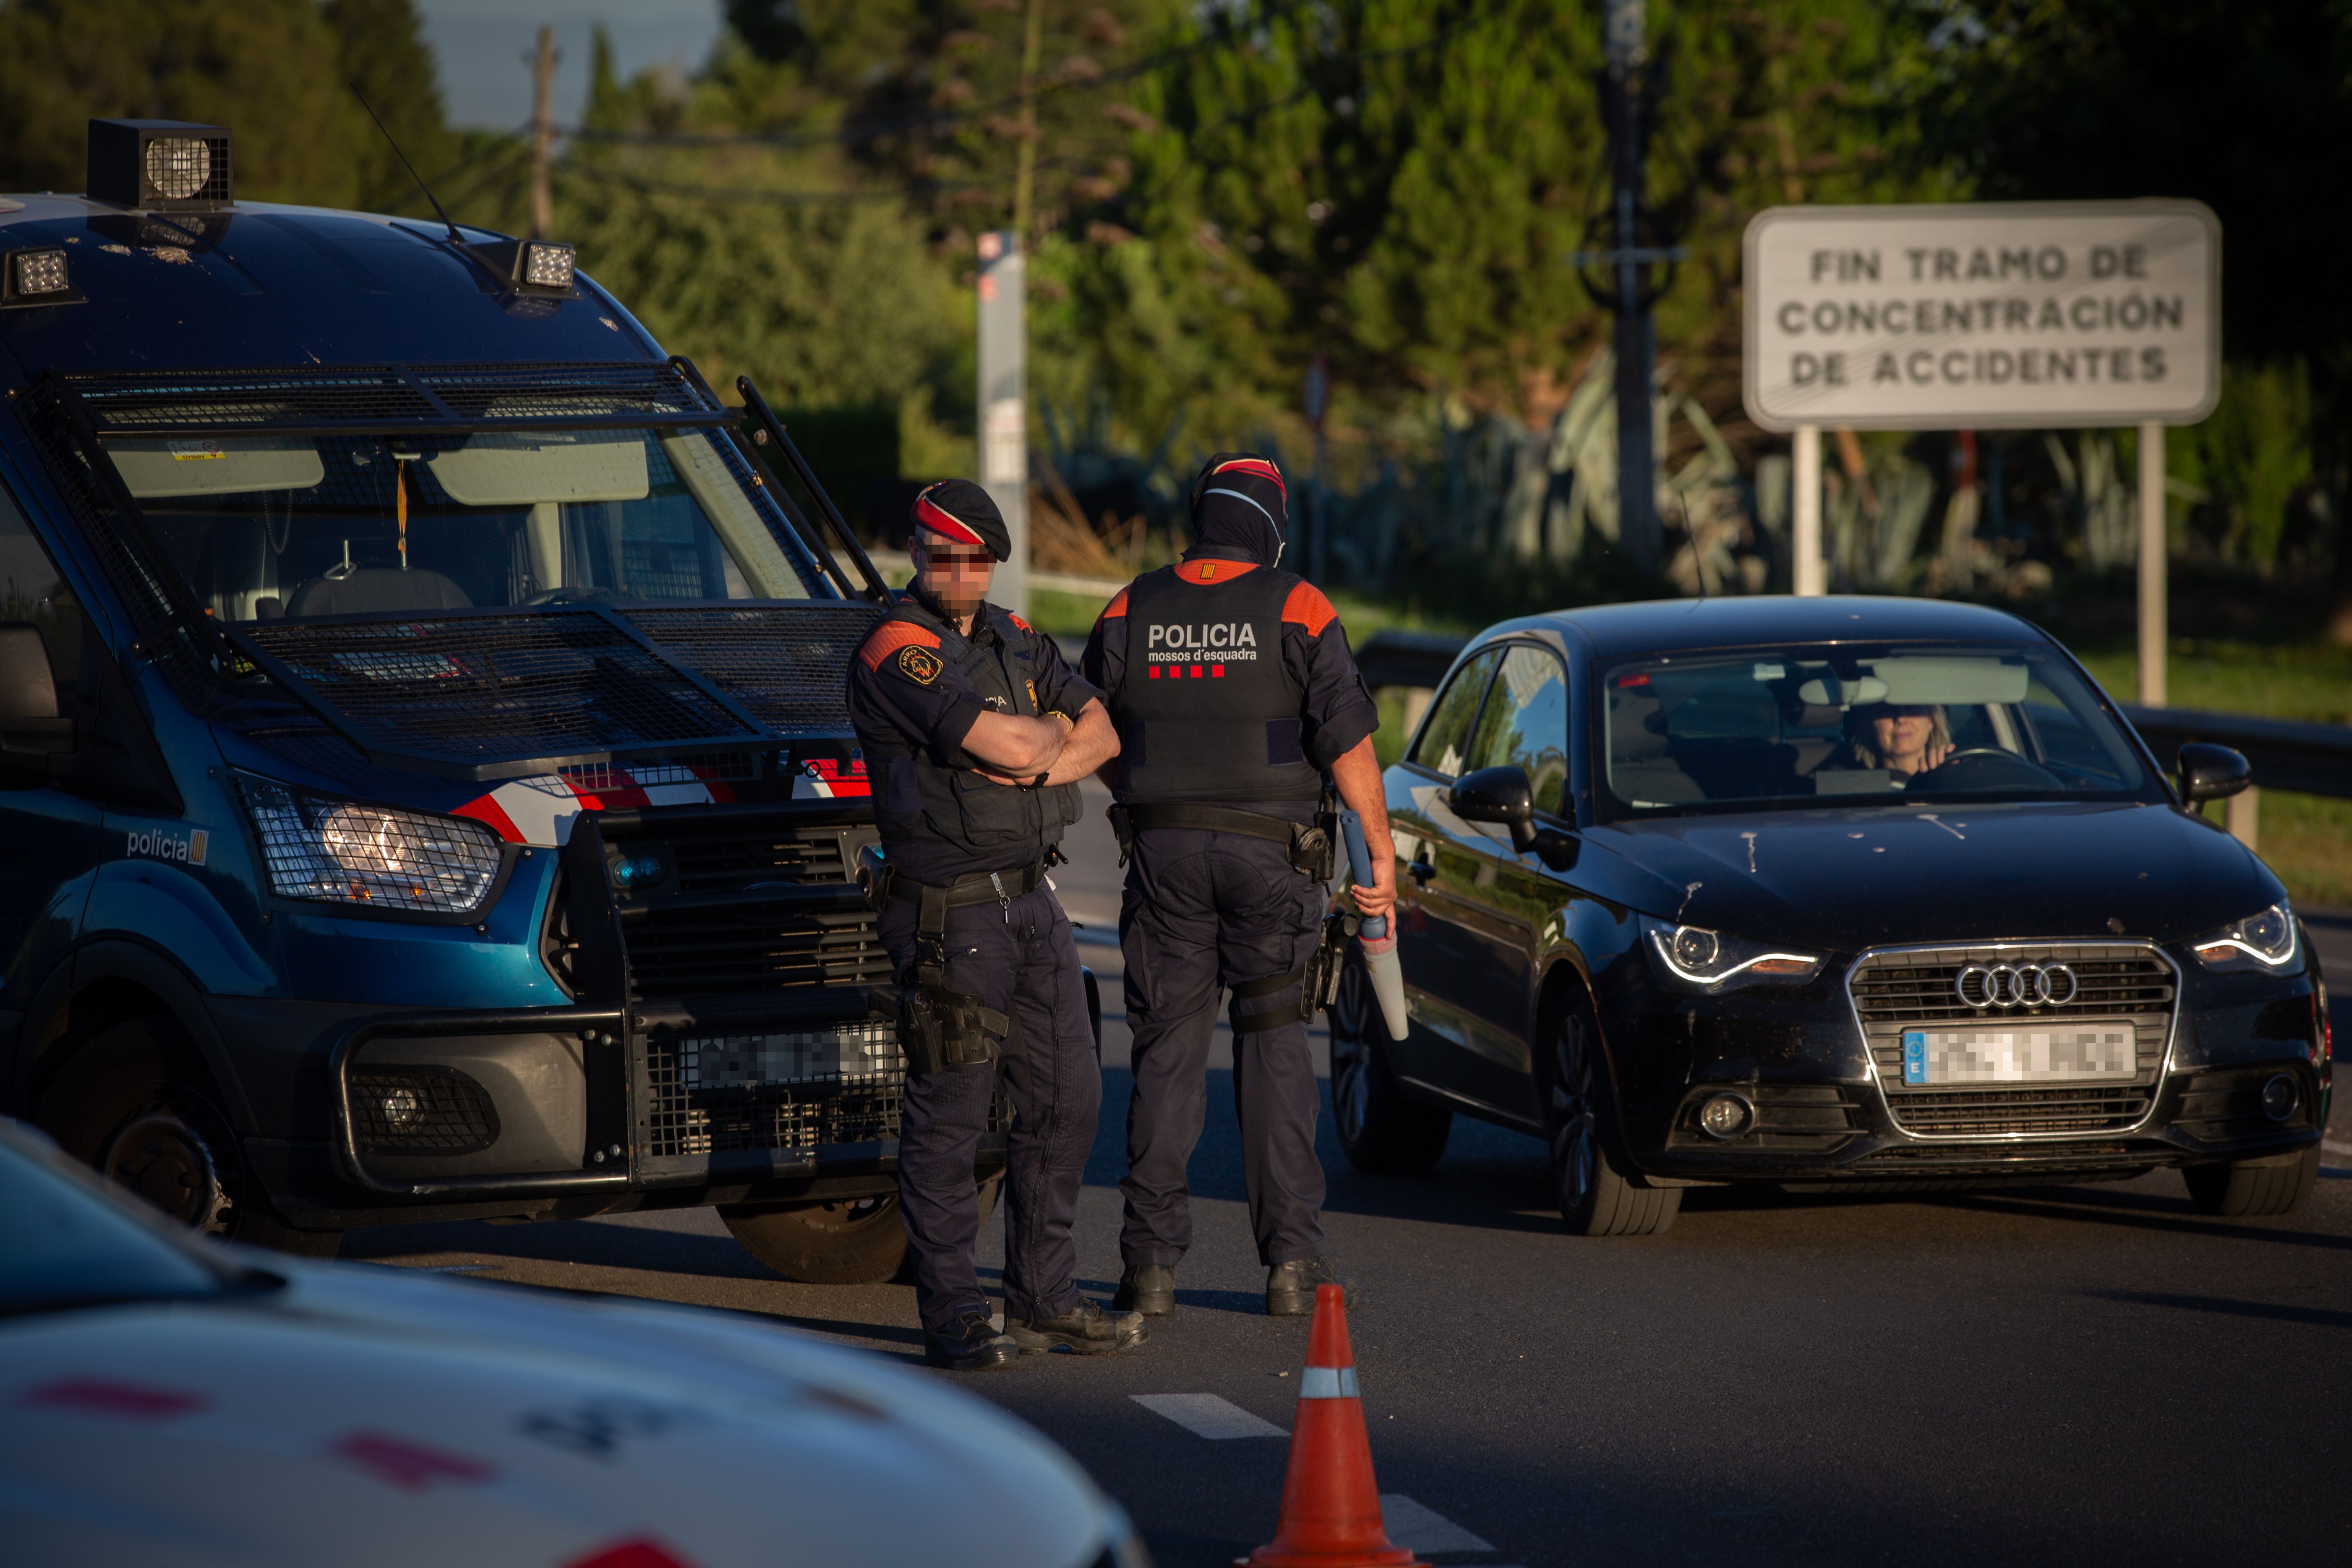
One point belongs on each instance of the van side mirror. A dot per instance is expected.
(2211, 773)
(31, 730)
(1497, 794)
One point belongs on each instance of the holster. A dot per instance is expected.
(940, 1028)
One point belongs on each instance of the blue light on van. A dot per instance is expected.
(636, 871)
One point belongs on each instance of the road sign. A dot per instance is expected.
(1983, 315)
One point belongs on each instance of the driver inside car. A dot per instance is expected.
(1906, 739)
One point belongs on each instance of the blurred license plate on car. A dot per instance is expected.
(2019, 1054)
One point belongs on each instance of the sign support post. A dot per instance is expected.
(2154, 634)
(1808, 573)
(1003, 428)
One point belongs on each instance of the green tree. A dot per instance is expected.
(269, 69)
(380, 49)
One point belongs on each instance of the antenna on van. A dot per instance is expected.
(1698, 556)
(455, 237)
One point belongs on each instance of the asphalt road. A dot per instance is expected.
(2087, 1374)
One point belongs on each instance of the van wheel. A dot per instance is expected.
(2247, 1189)
(136, 1106)
(1382, 1131)
(1597, 1194)
(841, 1241)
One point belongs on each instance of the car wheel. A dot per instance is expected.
(841, 1241)
(1382, 1131)
(1597, 1196)
(2244, 1188)
(135, 1105)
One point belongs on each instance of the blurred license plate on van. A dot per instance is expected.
(2019, 1055)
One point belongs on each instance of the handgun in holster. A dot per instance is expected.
(938, 1028)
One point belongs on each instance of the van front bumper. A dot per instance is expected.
(558, 1113)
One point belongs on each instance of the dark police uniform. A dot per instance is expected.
(916, 687)
(1231, 686)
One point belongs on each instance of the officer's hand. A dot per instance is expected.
(1010, 780)
(1381, 897)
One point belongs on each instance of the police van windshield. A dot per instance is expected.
(1851, 724)
(267, 527)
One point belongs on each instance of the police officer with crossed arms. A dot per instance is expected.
(1235, 697)
(975, 733)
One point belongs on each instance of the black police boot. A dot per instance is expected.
(1085, 1328)
(1290, 1287)
(971, 1344)
(1146, 1288)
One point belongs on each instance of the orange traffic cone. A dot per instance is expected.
(1330, 1505)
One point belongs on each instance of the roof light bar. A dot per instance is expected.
(36, 277)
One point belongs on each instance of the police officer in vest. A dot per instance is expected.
(1236, 698)
(975, 733)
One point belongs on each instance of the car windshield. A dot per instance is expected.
(63, 1244)
(271, 527)
(1795, 726)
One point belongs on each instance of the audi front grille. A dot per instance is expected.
(2023, 982)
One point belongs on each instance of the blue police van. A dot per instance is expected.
(425, 778)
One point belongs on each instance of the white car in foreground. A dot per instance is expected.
(167, 1401)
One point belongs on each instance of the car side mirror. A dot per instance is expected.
(1498, 795)
(30, 729)
(2211, 773)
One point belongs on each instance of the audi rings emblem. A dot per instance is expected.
(2016, 986)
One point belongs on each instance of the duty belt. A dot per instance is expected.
(1309, 843)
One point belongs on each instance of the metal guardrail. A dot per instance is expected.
(2299, 758)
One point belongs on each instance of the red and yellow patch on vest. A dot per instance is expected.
(920, 664)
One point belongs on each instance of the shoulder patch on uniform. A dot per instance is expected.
(1307, 607)
(1017, 621)
(1116, 608)
(920, 664)
(890, 636)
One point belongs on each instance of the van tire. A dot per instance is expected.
(136, 1105)
(839, 1241)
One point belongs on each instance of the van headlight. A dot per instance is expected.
(1695, 958)
(339, 851)
(2263, 943)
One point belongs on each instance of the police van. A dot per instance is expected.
(424, 775)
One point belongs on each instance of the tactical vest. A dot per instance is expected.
(1206, 708)
(995, 825)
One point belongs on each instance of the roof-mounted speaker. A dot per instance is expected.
(160, 165)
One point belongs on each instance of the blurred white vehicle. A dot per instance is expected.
(169, 1402)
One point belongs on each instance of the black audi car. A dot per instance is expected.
(1841, 894)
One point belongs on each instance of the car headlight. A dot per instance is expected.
(2263, 941)
(340, 852)
(1702, 960)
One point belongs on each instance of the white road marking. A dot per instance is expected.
(2333, 1147)
(1207, 1416)
(1420, 1529)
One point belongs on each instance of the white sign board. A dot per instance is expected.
(1983, 315)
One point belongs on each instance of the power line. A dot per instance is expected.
(1228, 37)
(931, 187)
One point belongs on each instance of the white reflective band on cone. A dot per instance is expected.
(1328, 1383)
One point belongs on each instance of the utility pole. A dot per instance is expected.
(1024, 179)
(1629, 93)
(542, 135)
(1004, 427)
